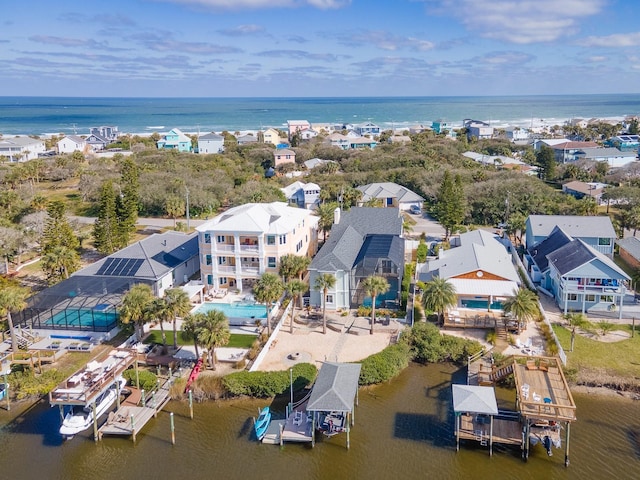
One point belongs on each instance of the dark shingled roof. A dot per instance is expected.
(571, 256)
(557, 239)
(347, 237)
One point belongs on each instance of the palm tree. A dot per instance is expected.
(323, 283)
(293, 266)
(213, 331)
(523, 305)
(60, 262)
(295, 288)
(12, 298)
(267, 290)
(575, 320)
(326, 213)
(136, 307)
(190, 327)
(373, 286)
(177, 305)
(438, 296)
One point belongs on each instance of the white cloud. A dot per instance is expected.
(385, 41)
(522, 22)
(596, 59)
(242, 30)
(617, 40)
(262, 4)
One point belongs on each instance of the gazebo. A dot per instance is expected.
(471, 401)
(333, 397)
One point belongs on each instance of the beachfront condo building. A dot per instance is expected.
(241, 244)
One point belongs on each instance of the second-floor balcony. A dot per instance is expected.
(602, 287)
(224, 247)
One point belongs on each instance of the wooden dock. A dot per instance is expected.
(505, 431)
(131, 417)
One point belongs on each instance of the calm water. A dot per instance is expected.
(39, 115)
(403, 430)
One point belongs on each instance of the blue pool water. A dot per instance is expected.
(82, 318)
(481, 304)
(235, 310)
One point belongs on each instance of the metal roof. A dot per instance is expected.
(474, 399)
(631, 245)
(574, 225)
(335, 388)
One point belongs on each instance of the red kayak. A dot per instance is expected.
(194, 374)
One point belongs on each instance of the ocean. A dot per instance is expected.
(69, 115)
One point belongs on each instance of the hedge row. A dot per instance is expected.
(148, 380)
(383, 366)
(269, 384)
(428, 345)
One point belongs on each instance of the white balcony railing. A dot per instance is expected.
(223, 247)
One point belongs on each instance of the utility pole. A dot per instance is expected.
(188, 218)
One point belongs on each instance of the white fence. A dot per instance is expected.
(274, 333)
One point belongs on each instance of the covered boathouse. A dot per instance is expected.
(544, 404)
(333, 398)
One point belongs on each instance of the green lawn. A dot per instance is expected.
(619, 358)
(237, 340)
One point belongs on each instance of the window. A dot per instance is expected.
(221, 239)
(271, 262)
(207, 259)
(299, 246)
(590, 298)
(207, 238)
(271, 239)
(329, 298)
(604, 242)
(222, 280)
(283, 239)
(572, 297)
(606, 298)
(222, 260)
(209, 279)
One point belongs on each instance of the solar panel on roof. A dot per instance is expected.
(120, 267)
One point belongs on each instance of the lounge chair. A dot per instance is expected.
(519, 344)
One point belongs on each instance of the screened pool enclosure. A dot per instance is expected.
(79, 303)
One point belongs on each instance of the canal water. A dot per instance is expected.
(404, 429)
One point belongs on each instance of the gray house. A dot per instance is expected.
(595, 231)
(363, 242)
(391, 195)
(210, 143)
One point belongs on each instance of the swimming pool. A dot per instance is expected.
(82, 318)
(236, 312)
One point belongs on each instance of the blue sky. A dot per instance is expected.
(253, 48)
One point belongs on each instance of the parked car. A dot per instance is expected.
(416, 210)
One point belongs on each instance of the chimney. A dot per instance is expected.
(336, 216)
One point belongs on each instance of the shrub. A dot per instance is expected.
(421, 252)
(148, 380)
(269, 384)
(208, 387)
(491, 337)
(364, 311)
(383, 366)
(429, 346)
(25, 383)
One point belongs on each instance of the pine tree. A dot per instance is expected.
(127, 203)
(57, 230)
(105, 229)
(449, 203)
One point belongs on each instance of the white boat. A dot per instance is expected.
(76, 422)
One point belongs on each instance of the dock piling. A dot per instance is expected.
(133, 428)
(95, 421)
(6, 391)
(566, 446)
(173, 429)
(144, 400)
(191, 404)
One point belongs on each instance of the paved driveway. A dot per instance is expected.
(427, 225)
